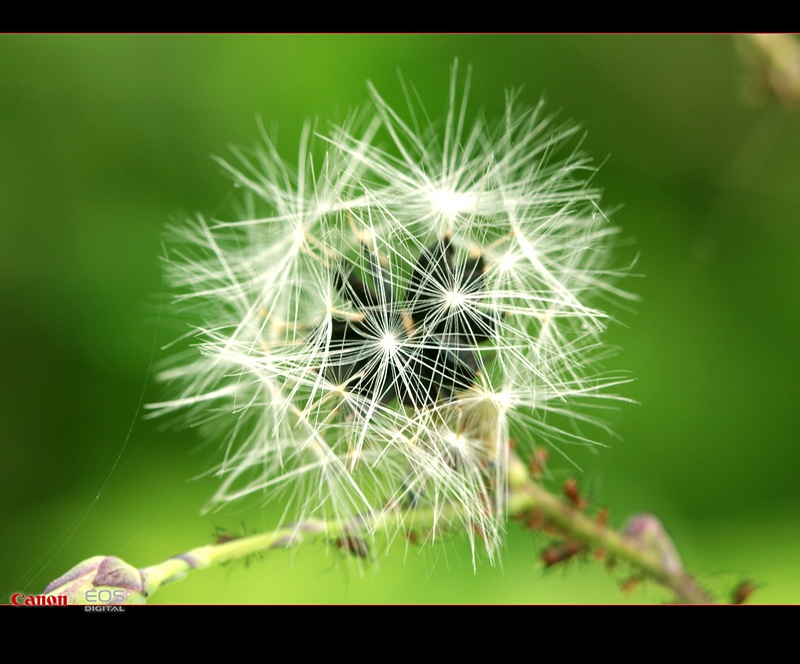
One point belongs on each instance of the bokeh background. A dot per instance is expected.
(103, 139)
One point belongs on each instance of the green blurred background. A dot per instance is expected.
(104, 138)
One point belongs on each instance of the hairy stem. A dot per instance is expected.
(651, 555)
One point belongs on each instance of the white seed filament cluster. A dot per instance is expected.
(344, 366)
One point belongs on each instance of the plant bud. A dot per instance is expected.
(648, 531)
(100, 580)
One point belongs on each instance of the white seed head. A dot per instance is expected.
(381, 323)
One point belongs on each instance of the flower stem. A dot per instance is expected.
(648, 551)
(650, 560)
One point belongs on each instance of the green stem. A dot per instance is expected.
(176, 568)
(648, 560)
(525, 496)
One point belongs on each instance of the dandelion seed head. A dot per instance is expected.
(381, 321)
(506, 262)
(454, 299)
(450, 204)
(389, 343)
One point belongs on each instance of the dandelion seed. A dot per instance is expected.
(385, 320)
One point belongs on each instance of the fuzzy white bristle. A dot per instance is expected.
(333, 345)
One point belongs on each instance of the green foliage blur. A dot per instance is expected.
(104, 138)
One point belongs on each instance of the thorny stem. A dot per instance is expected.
(526, 495)
(652, 561)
